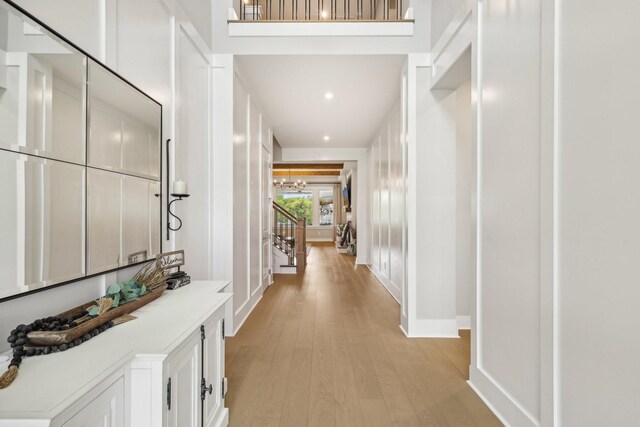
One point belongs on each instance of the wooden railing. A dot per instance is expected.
(290, 236)
(321, 10)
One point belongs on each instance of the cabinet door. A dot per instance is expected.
(183, 377)
(106, 410)
(213, 368)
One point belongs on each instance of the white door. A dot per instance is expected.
(183, 383)
(266, 217)
(213, 367)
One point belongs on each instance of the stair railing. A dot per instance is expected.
(289, 235)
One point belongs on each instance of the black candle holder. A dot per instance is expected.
(177, 197)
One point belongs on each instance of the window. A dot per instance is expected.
(315, 203)
(325, 207)
(300, 204)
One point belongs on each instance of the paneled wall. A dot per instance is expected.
(165, 55)
(387, 193)
(598, 233)
(251, 141)
(554, 336)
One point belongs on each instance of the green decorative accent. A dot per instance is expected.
(94, 311)
(126, 292)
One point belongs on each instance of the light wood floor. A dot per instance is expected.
(325, 349)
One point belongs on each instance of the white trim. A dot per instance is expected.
(503, 404)
(555, 281)
(434, 328)
(245, 317)
(256, 290)
(464, 322)
(403, 330)
(321, 29)
(386, 283)
(488, 403)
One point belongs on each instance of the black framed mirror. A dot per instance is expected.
(80, 162)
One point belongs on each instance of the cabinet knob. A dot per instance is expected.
(204, 389)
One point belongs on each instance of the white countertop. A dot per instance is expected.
(46, 385)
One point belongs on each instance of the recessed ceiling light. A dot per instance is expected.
(326, 138)
(328, 95)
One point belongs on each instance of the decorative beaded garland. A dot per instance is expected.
(18, 337)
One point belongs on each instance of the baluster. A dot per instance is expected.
(371, 9)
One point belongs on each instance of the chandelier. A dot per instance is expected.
(289, 185)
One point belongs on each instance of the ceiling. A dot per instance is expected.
(291, 91)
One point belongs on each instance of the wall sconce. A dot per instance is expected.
(179, 191)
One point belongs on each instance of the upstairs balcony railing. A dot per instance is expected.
(321, 10)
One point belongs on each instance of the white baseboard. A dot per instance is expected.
(386, 283)
(464, 322)
(508, 410)
(433, 328)
(237, 325)
(403, 330)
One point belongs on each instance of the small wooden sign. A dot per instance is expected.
(137, 257)
(168, 260)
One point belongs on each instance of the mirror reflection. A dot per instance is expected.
(79, 162)
(41, 222)
(123, 220)
(124, 126)
(42, 85)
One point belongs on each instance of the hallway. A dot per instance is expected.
(325, 349)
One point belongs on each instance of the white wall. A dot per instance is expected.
(598, 235)
(465, 240)
(554, 336)
(166, 57)
(507, 369)
(387, 209)
(441, 13)
(251, 127)
(432, 235)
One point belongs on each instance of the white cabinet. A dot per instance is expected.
(213, 369)
(163, 369)
(195, 381)
(106, 410)
(183, 383)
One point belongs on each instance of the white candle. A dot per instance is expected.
(180, 187)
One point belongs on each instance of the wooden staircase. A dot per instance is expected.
(290, 237)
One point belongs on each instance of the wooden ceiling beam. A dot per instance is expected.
(285, 173)
(309, 166)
